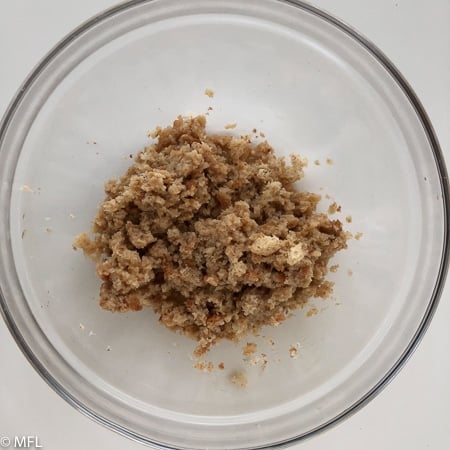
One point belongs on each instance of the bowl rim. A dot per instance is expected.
(445, 192)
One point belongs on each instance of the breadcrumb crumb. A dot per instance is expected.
(26, 188)
(249, 349)
(334, 268)
(293, 351)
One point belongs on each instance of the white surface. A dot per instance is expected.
(414, 410)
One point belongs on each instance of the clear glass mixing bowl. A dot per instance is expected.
(315, 87)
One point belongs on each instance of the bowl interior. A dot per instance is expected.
(312, 90)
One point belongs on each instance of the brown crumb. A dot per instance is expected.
(209, 93)
(358, 236)
(210, 232)
(254, 130)
(333, 208)
(249, 349)
(204, 366)
(221, 366)
(329, 161)
(239, 379)
(317, 162)
(210, 108)
(230, 126)
(334, 268)
(348, 219)
(312, 312)
(48, 230)
(349, 272)
(262, 134)
(269, 340)
(293, 351)
(264, 360)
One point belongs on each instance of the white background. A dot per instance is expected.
(413, 412)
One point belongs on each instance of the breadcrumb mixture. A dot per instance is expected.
(210, 232)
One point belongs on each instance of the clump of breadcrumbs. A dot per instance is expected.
(210, 232)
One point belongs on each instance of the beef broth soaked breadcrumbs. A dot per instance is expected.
(210, 232)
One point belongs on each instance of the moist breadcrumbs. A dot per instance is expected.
(210, 232)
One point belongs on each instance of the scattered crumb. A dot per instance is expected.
(327, 196)
(334, 268)
(91, 333)
(358, 236)
(262, 134)
(239, 379)
(230, 126)
(269, 340)
(72, 216)
(108, 348)
(210, 108)
(204, 366)
(209, 93)
(249, 349)
(312, 312)
(48, 230)
(333, 208)
(24, 232)
(81, 327)
(221, 366)
(349, 273)
(264, 360)
(254, 130)
(26, 188)
(348, 219)
(293, 350)
(131, 156)
(317, 162)
(329, 161)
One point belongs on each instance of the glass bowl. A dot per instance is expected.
(314, 87)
